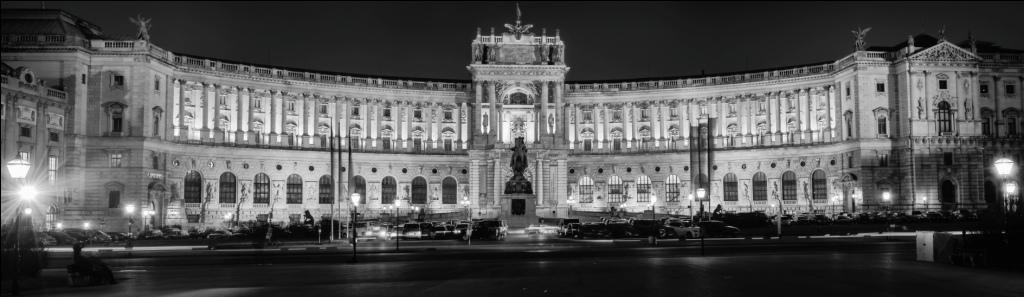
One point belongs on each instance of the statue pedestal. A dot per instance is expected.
(518, 210)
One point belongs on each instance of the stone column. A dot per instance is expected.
(304, 119)
(493, 100)
(627, 124)
(559, 110)
(272, 126)
(606, 133)
(244, 109)
(830, 112)
(478, 119)
(457, 114)
(543, 122)
(573, 116)
(345, 116)
(181, 130)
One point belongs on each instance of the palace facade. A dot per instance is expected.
(201, 142)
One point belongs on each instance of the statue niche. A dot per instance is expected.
(518, 184)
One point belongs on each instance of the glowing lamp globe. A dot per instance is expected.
(18, 168)
(354, 198)
(1003, 166)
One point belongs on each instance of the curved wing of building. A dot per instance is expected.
(207, 142)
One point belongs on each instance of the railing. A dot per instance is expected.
(34, 39)
(703, 81)
(16, 83)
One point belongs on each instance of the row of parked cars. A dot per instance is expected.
(478, 229)
(877, 217)
(662, 228)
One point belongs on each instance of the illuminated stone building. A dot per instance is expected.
(203, 141)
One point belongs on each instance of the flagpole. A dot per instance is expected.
(333, 199)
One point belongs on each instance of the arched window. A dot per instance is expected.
(449, 191)
(729, 188)
(672, 189)
(419, 190)
(789, 186)
(819, 185)
(193, 187)
(359, 186)
(227, 187)
(326, 190)
(615, 190)
(760, 187)
(389, 189)
(294, 189)
(643, 189)
(944, 116)
(586, 190)
(261, 189)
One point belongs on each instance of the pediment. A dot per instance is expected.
(945, 51)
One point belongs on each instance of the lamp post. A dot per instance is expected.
(1004, 166)
(18, 168)
(145, 215)
(690, 198)
(469, 219)
(1011, 191)
(835, 200)
(885, 199)
(398, 237)
(701, 193)
(570, 201)
(654, 217)
(355, 204)
(416, 210)
(130, 211)
(778, 221)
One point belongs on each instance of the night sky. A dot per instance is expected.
(605, 40)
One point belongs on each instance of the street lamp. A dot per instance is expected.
(130, 210)
(701, 193)
(355, 203)
(469, 219)
(885, 198)
(1004, 166)
(835, 200)
(398, 237)
(570, 201)
(1011, 190)
(654, 217)
(690, 198)
(18, 168)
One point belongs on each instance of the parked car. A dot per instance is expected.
(538, 229)
(592, 230)
(821, 219)
(966, 215)
(490, 229)
(219, 234)
(843, 218)
(934, 216)
(717, 229)
(460, 230)
(618, 229)
(415, 231)
(46, 239)
(675, 228)
(444, 231)
(62, 238)
(118, 236)
(644, 228)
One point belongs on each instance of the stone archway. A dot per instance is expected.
(156, 200)
(947, 194)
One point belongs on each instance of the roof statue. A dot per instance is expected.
(143, 24)
(518, 29)
(860, 33)
(973, 42)
(942, 33)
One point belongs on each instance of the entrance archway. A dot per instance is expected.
(947, 195)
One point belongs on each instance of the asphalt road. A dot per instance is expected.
(524, 267)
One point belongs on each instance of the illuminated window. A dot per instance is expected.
(643, 189)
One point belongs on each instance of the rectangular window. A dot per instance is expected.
(880, 87)
(323, 108)
(24, 156)
(447, 145)
(83, 78)
(947, 159)
(193, 218)
(588, 115)
(51, 170)
(986, 126)
(54, 137)
(156, 83)
(417, 114)
(291, 105)
(355, 111)
(645, 114)
(1011, 126)
(881, 126)
(117, 81)
(883, 160)
(387, 112)
(447, 115)
(847, 89)
(984, 89)
(25, 131)
(942, 84)
(1011, 89)
(114, 199)
(156, 161)
(115, 160)
(617, 115)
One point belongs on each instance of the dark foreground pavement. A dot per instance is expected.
(809, 268)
